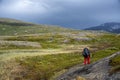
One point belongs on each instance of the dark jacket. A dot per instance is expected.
(86, 52)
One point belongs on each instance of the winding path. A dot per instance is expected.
(96, 71)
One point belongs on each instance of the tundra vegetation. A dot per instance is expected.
(40, 52)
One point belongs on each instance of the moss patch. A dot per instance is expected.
(115, 63)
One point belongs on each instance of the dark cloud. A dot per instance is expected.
(118, 0)
(1, 1)
(69, 13)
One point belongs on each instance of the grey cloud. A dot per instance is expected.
(0, 1)
(69, 13)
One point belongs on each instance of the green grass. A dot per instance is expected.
(9, 30)
(47, 40)
(115, 63)
(47, 66)
(11, 27)
(9, 47)
(102, 53)
(43, 67)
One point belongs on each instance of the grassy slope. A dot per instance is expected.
(15, 27)
(43, 67)
(48, 65)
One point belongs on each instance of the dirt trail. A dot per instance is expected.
(96, 71)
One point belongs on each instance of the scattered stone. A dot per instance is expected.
(66, 41)
(80, 78)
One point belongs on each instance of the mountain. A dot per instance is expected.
(17, 27)
(113, 27)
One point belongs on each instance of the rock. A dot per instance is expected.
(66, 41)
(83, 39)
(115, 76)
(95, 71)
(80, 78)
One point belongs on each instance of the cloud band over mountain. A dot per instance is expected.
(69, 13)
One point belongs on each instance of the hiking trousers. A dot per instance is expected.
(87, 60)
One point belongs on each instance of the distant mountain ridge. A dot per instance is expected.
(113, 27)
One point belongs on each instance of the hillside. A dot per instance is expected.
(55, 56)
(113, 27)
(16, 27)
(40, 52)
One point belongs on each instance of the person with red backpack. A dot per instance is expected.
(86, 55)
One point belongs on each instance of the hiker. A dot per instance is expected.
(86, 55)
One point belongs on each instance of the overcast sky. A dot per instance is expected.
(76, 14)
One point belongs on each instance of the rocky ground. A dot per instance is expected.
(95, 71)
